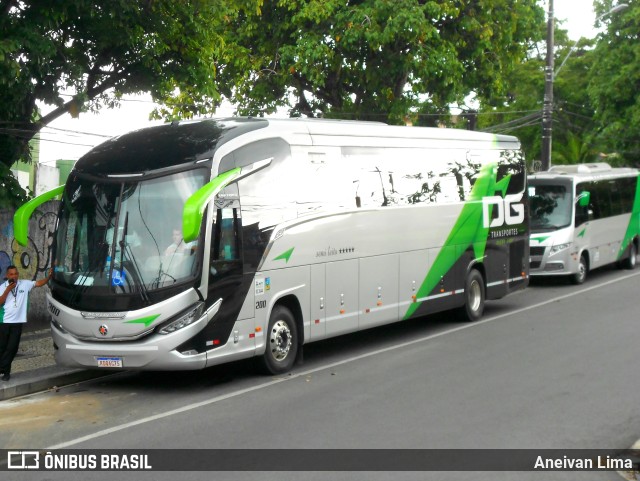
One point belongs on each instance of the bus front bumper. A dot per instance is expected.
(154, 352)
(542, 262)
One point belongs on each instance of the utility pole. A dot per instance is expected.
(547, 106)
(549, 75)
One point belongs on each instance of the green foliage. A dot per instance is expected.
(520, 112)
(103, 50)
(596, 112)
(11, 194)
(374, 59)
(573, 150)
(614, 83)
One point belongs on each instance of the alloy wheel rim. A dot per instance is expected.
(280, 340)
(475, 295)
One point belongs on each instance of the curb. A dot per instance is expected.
(30, 382)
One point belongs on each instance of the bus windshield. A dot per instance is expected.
(551, 207)
(125, 238)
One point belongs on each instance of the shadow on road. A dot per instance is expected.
(595, 275)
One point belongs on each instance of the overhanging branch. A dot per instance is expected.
(66, 107)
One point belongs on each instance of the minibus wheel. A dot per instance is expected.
(631, 261)
(281, 338)
(581, 276)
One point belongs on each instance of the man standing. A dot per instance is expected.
(13, 314)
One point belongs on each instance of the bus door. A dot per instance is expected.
(225, 269)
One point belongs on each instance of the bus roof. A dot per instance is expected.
(184, 142)
(360, 128)
(584, 172)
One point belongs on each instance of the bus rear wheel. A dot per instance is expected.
(631, 261)
(282, 342)
(474, 296)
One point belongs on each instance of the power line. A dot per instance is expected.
(514, 123)
(77, 132)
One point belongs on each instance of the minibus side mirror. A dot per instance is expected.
(584, 199)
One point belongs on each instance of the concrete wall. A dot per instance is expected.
(32, 260)
(48, 178)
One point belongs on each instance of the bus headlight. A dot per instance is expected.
(559, 247)
(183, 320)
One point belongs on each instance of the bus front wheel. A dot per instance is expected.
(282, 342)
(474, 296)
(581, 276)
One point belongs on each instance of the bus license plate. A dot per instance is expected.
(109, 361)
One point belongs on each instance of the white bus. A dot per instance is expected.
(196, 243)
(582, 217)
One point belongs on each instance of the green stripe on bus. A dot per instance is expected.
(468, 230)
(540, 239)
(633, 229)
(143, 320)
(285, 255)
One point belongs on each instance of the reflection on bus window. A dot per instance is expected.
(225, 249)
(122, 228)
(551, 207)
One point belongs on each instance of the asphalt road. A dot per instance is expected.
(555, 366)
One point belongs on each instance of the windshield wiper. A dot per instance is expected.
(125, 247)
(162, 273)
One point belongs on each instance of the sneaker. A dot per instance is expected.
(6, 377)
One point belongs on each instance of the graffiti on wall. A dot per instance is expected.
(34, 259)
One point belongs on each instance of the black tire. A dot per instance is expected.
(282, 342)
(583, 269)
(631, 261)
(474, 297)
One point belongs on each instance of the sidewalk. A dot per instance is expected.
(34, 368)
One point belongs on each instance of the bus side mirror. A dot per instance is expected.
(22, 215)
(584, 199)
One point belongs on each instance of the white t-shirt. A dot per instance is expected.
(14, 309)
(182, 248)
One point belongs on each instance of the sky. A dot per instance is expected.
(68, 138)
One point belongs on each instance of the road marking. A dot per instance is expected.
(275, 381)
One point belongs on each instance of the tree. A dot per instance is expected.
(614, 82)
(520, 112)
(100, 51)
(375, 59)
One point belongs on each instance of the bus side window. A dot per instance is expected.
(225, 249)
(593, 211)
(582, 215)
(628, 190)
